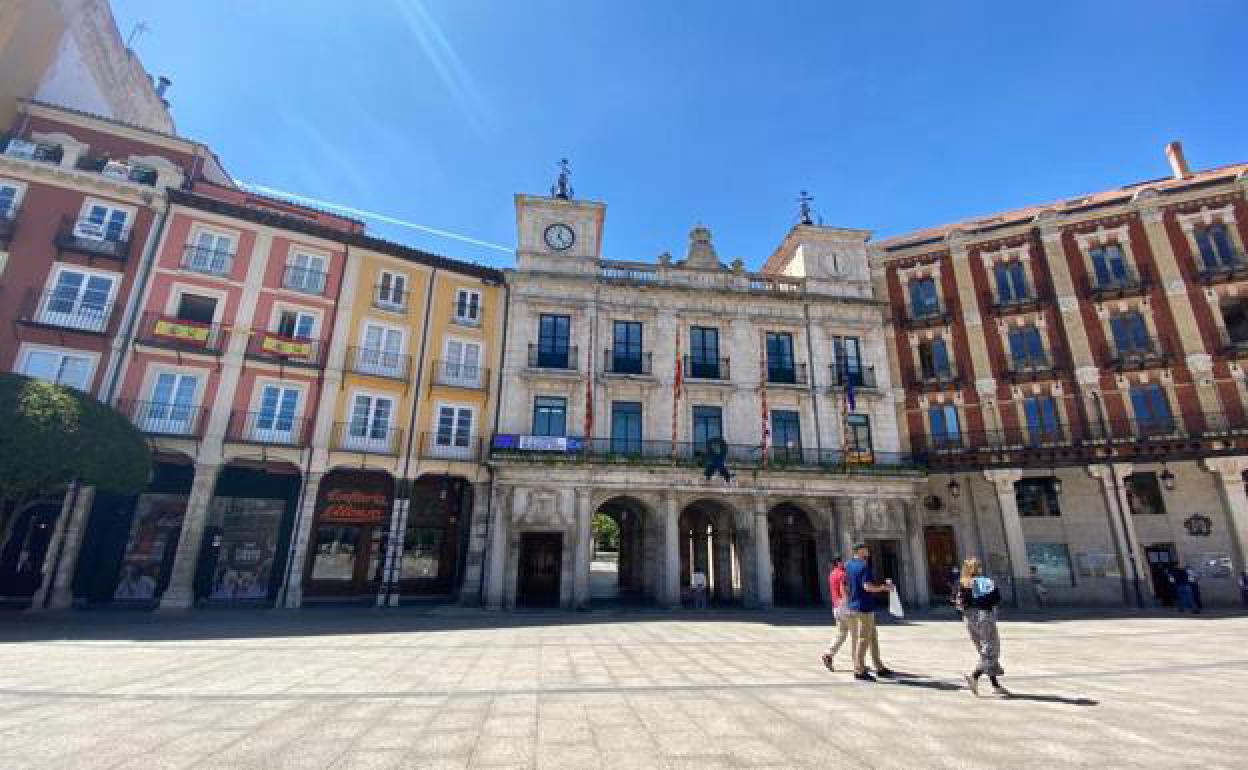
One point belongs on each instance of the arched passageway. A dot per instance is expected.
(794, 559)
(624, 552)
(708, 544)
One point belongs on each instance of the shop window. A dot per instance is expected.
(1144, 493)
(422, 550)
(1037, 497)
(1051, 562)
(336, 549)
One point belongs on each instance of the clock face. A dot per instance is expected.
(559, 237)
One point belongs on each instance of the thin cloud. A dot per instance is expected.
(374, 216)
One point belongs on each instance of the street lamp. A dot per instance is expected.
(955, 489)
(1167, 478)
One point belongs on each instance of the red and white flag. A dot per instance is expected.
(678, 383)
(763, 400)
(589, 397)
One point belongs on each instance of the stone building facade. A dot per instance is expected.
(1072, 374)
(616, 374)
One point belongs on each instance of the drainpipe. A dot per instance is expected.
(398, 524)
(498, 409)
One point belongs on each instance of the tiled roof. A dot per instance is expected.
(1066, 206)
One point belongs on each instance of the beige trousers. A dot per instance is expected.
(864, 629)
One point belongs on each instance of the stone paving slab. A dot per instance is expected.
(351, 688)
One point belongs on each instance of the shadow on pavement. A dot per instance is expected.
(1051, 699)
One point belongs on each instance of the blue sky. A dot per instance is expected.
(894, 116)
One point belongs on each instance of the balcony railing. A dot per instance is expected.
(622, 362)
(269, 428)
(94, 239)
(628, 273)
(553, 358)
(16, 147)
(169, 332)
(776, 284)
(390, 298)
(784, 372)
(1232, 267)
(456, 374)
(624, 451)
(467, 314)
(449, 446)
(368, 437)
(295, 351)
(938, 378)
(162, 419)
(1127, 283)
(707, 368)
(862, 377)
(917, 317)
(998, 305)
(1028, 367)
(117, 169)
(304, 279)
(379, 363)
(199, 259)
(66, 310)
(8, 224)
(1148, 356)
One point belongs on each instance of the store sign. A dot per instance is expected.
(182, 331)
(1198, 525)
(286, 347)
(355, 506)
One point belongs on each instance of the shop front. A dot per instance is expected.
(23, 549)
(433, 542)
(347, 553)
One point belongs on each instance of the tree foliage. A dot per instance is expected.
(51, 435)
(606, 532)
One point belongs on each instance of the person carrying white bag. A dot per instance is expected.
(860, 607)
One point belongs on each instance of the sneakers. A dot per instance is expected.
(864, 677)
(1000, 691)
(827, 662)
(884, 671)
(972, 683)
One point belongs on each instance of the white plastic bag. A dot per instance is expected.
(894, 605)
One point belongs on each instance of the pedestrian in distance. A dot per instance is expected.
(1193, 580)
(978, 598)
(844, 628)
(1039, 588)
(697, 582)
(861, 589)
(1182, 588)
(1243, 587)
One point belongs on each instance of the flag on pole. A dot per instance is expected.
(677, 385)
(589, 397)
(849, 391)
(763, 399)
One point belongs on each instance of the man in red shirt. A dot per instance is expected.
(836, 590)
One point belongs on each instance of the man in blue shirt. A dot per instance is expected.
(861, 587)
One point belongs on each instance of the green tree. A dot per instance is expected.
(52, 435)
(606, 532)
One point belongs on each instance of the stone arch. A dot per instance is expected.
(709, 542)
(794, 555)
(635, 576)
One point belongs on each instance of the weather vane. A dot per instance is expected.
(804, 200)
(561, 189)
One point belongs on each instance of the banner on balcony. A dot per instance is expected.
(860, 457)
(182, 331)
(285, 347)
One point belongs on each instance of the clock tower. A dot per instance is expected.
(558, 233)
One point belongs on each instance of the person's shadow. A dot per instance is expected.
(914, 680)
(1051, 699)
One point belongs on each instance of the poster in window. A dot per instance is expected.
(1052, 563)
(249, 533)
(150, 549)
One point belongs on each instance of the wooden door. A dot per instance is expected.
(942, 559)
(541, 557)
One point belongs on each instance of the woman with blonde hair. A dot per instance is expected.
(978, 599)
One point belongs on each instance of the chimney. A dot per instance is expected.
(162, 85)
(1178, 163)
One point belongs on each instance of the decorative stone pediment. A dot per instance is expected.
(540, 507)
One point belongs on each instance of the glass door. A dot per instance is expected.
(275, 421)
(369, 429)
(171, 409)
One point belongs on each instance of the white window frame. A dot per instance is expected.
(46, 316)
(23, 353)
(293, 256)
(19, 193)
(387, 303)
(365, 443)
(459, 375)
(451, 451)
(90, 203)
(273, 435)
(178, 289)
(379, 363)
(281, 307)
(199, 229)
(162, 417)
(467, 320)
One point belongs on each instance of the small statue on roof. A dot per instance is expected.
(561, 188)
(804, 200)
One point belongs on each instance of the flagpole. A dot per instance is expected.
(677, 383)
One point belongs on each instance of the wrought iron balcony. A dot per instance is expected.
(625, 362)
(94, 239)
(198, 259)
(1127, 283)
(707, 368)
(304, 279)
(786, 372)
(938, 379)
(1031, 367)
(862, 377)
(117, 169)
(29, 149)
(164, 331)
(265, 345)
(379, 363)
(450, 446)
(460, 375)
(1000, 306)
(66, 310)
(163, 419)
(367, 437)
(1135, 357)
(921, 317)
(1229, 268)
(271, 428)
(542, 357)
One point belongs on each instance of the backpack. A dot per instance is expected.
(982, 586)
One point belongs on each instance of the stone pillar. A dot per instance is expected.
(305, 517)
(762, 554)
(1229, 474)
(496, 566)
(1012, 527)
(722, 543)
(58, 588)
(921, 590)
(671, 552)
(180, 594)
(474, 560)
(584, 536)
(1131, 554)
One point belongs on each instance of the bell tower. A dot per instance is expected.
(558, 233)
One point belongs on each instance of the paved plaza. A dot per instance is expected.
(348, 688)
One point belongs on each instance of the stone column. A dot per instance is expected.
(180, 594)
(474, 560)
(922, 596)
(584, 536)
(1012, 527)
(305, 517)
(762, 554)
(1229, 474)
(1131, 554)
(58, 587)
(722, 543)
(671, 552)
(496, 566)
